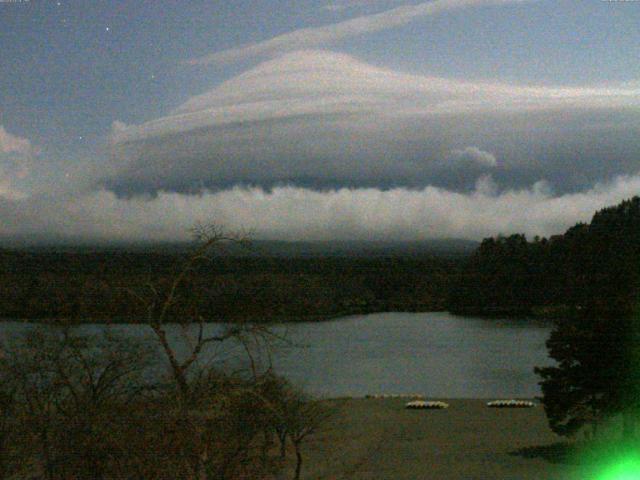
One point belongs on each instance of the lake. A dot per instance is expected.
(435, 354)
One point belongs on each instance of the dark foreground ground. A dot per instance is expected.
(379, 439)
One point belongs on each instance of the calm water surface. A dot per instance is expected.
(436, 354)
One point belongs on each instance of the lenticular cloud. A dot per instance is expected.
(318, 119)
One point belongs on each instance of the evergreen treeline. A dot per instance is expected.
(592, 268)
(98, 285)
(587, 279)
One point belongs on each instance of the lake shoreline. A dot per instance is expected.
(274, 320)
(427, 353)
(552, 313)
(380, 439)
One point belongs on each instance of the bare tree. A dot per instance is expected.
(68, 389)
(293, 416)
(173, 304)
(101, 375)
(305, 417)
(85, 409)
(176, 303)
(29, 365)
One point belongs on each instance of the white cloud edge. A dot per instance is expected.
(474, 155)
(322, 82)
(16, 157)
(14, 144)
(339, 6)
(293, 213)
(285, 117)
(318, 36)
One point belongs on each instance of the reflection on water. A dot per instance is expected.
(436, 354)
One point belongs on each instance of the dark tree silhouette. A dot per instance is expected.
(590, 278)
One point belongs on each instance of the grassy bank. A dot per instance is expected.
(380, 439)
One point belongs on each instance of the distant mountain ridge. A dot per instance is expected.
(271, 248)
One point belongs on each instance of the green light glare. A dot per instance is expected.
(627, 468)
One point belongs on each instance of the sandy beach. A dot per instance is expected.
(380, 439)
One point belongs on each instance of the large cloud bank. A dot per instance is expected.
(296, 213)
(320, 119)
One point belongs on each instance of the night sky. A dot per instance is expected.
(315, 119)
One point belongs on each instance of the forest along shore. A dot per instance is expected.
(94, 286)
(590, 269)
